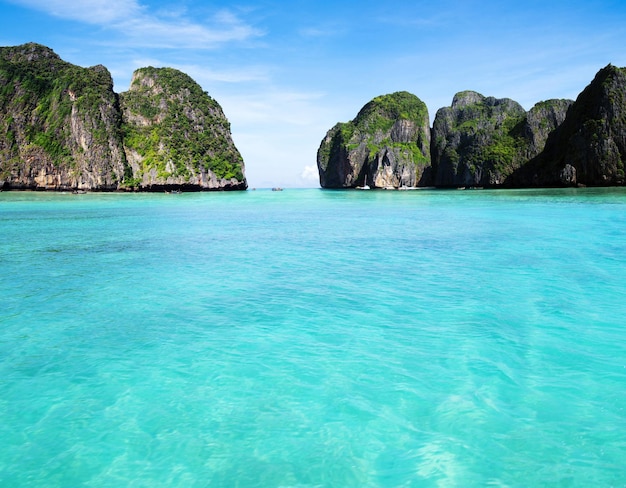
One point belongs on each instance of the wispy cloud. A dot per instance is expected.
(414, 22)
(235, 75)
(279, 108)
(315, 32)
(164, 29)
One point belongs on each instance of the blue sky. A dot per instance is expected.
(286, 72)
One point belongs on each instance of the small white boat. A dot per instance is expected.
(365, 185)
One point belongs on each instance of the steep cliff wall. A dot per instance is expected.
(387, 145)
(177, 135)
(589, 147)
(60, 124)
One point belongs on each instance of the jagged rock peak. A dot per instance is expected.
(465, 98)
(469, 98)
(160, 80)
(400, 105)
(28, 53)
(475, 140)
(541, 120)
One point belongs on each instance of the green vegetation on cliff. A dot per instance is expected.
(383, 111)
(379, 116)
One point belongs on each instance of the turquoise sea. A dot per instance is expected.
(312, 338)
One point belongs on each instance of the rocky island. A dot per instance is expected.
(386, 145)
(482, 141)
(62, 127)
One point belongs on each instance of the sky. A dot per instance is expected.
(285, 72)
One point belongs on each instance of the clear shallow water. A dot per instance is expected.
(313, 338)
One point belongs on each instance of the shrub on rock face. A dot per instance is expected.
(386, 145)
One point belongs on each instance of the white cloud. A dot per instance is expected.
(164, 29)
(310, 173)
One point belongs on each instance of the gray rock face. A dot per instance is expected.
(387, 145)
(541, 121)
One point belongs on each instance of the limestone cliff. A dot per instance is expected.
(482, 141)
(61, 128)
(474, 140)
(59, 124)
(589, 147)
(177, 135)
(387, 145)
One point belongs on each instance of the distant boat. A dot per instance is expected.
(365, 185)
(277, 188)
